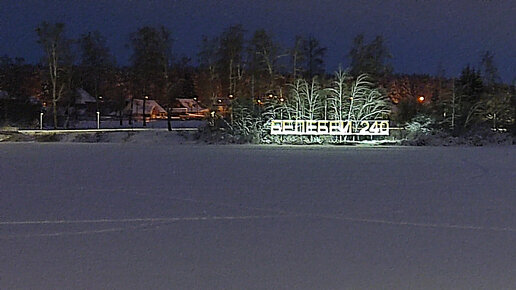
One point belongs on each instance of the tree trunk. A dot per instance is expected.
(169, 119)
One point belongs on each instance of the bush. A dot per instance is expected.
(418, 126)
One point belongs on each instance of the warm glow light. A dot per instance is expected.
(421, 99)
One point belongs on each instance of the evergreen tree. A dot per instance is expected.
(468, 90)
(313, 57)
(489, 70)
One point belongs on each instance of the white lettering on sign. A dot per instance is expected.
(325, 127)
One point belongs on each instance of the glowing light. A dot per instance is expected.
(330, 127)
(421, 99)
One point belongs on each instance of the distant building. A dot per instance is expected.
(152, 109)
(84, 103)
(189, 109)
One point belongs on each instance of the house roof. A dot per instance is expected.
(150, 105)
(83, 97)
(192, 105)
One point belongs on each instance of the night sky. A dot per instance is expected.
(421, 35)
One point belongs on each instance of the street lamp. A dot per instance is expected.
(43, 107)
(231, 97)
(144, 118)
(99, 99)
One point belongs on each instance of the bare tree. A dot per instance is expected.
(56, 46)
(208, 80)
(264, 54)
(230, 58)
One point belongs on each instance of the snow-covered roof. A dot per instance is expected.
(150, 106)
(84, 97)
(192, 105)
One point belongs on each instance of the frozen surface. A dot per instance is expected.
(144, 216)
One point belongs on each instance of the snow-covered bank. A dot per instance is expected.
(162, 136)
(148, 136)
(141, 216)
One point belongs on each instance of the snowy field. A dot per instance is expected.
(143, 216)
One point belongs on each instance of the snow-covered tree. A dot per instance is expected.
(366, 101)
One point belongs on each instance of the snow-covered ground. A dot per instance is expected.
(144, 216)
(114, 124)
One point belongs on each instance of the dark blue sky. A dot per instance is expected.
(420, 34)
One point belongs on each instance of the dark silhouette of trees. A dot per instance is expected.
(370, 58)
(489, 70)
(313, 57)
(151, 59)
(96, 63)
(251, 70)
(17, 77)
(263, 57)
(207, 80)
(230, 60)
(297, 57)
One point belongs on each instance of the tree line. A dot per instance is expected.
(248, 67)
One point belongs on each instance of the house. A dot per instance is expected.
(84, 103)
(152, 109)
(193, 106)
(189, 109)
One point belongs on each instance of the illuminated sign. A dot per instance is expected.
(333, 128)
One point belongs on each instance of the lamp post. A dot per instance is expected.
(144, 118)
(169, 117)
(99, 99)
(231, 98)
(41, 115)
